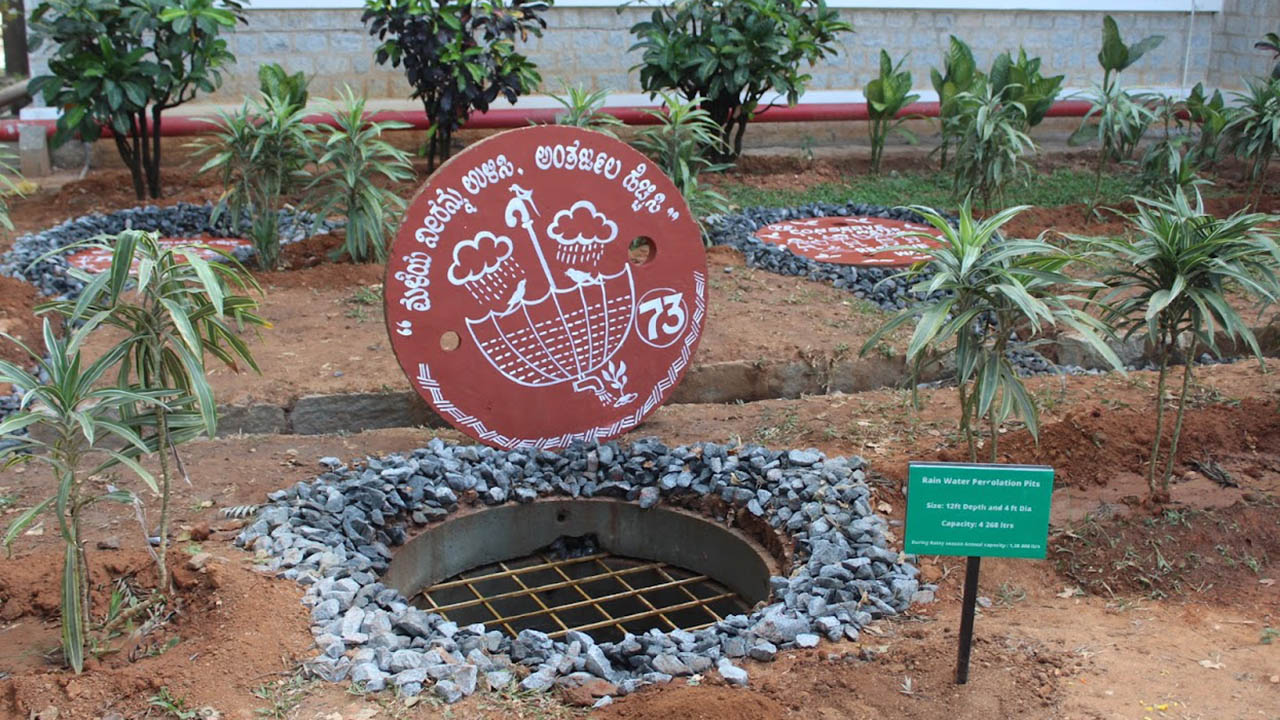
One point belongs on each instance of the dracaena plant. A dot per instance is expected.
(119, 64)
(354, 156)
(979, 289)
(1168, 280)
(887, 96)
(1116, 119)
(959, 74)
(9, 185)
(731, 54)
(680, 143)
(172, 306)
(991, 146)
(261, 153)
(1253, 131)
(458, 55)
(79, 434)
(585, 109)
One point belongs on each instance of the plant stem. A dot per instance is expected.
(965, 426)
(1155, 446)
(1182, 408)
(162, 451)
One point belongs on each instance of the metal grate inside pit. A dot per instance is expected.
(600, 593)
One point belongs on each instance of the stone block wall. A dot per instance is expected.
(587, 46)
(1240, 24)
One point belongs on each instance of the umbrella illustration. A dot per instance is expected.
(572, 332)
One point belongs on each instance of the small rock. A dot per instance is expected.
(731, 673)
(110, 542)
(764, 652)
(199, 561)
(448, 691)
(807, 640)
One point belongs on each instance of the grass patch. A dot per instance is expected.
(1060, 187)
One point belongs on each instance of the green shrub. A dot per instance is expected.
(980, 288)
(960, 75)
(586, 110)
(121, 63)
(991, 146)
(1208, 115)
(1169, 166)
(729, 54)
(1116, 119)
(1115, 55)
(171, 307)
(887, 95)
(1020, 81)
(1169, 279)
(1253, 128)
(679, 144)
(275, 81)
(85, 437)
(352, 158)
(458, 55)
(261, 154)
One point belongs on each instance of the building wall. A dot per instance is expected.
(587, 46)
(1240, 24)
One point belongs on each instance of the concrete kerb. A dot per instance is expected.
(711, 383)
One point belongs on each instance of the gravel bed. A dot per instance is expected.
(874, 284)
(335, 535)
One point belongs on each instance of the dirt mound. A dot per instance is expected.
(233, 631)
(1219, 554)
(17, 319)
(706, 702)
(1093, 444)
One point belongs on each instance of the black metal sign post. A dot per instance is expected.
(966, 618)
(974, 511)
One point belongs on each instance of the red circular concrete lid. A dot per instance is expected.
(96, 260)
(515, 303)
(852, 240)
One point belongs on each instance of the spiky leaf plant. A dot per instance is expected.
(979, 289)
(353, 156)
(680, 145)
(1169, 279)
(173, 307)
(83, 435)
(586, 110)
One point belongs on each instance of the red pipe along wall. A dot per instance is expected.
(185, 125)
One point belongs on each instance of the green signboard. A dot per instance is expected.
(978, 510)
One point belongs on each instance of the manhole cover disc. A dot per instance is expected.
(96, 260)
(546, 285)
(853, 240)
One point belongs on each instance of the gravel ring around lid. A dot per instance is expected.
(51, 275)
(335, 535)
(873, 284)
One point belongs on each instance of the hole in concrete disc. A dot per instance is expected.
(601, 566)
(450, 341)
(643, 251)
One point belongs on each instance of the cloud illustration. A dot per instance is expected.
(582, 225)
(479, 256)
